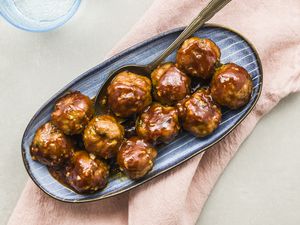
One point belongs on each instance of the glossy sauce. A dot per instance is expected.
(103, 136)
(50, 146)
(231, 86)
(233, 74)
(173, 85)
(198, 57)
(58, 174)
(129, 93)
(199, 114)
(158, 124)
(72, 113)
(136, 157)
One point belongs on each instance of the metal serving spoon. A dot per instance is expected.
(207, 13)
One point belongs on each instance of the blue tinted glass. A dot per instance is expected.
(37, 15)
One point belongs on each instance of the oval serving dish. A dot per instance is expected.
(234, 48)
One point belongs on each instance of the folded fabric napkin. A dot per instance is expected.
(178, 196)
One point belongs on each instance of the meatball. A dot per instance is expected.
(136, 157)
(158, 124)
(199, 114)
(103, 136)
(231, 86)
(50, 146)
(170, 84)
(72, 113)
(85, 173)
(198, 57)
(129, 93)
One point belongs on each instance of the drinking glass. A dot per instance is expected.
(38, 15)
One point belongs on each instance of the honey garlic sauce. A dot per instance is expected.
(136, 157)
(198, 57)
(175, 83)
(129, 93)
(158, 124)
(231, 86)
(199, 114)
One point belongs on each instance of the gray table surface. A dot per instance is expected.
(260, 186)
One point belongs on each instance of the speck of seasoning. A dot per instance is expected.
(92, 156)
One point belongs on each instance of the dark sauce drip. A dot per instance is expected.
(114, 169)
(78, 142)
(59, 175)
(129, 126)
(196, 83)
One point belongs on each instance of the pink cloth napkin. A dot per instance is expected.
(178, 196)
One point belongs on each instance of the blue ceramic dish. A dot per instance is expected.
(234, 48)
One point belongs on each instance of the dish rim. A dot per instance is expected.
(113, 58)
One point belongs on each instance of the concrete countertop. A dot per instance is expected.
(260, 186)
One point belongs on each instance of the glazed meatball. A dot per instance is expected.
(198, 57)
(85, 173)
(103, 136)
(50, 146)
(231, 86)
(170, 84)
(136, 157)
(129, 93)
(199, 114)
(158, 124)
(72, 113)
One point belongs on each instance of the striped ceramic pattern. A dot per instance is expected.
(233, 48)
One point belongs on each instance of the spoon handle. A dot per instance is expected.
(208, 12)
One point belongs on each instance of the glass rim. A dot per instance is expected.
(66, 18)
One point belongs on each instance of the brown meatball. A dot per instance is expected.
(231, 86)
(158, 124)
(136, 157)
(129, 93)
(72, 113)
(170, 84)
(199, 114)
(85, 173)
(50, 146)
(198, 57)
(103, 136)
